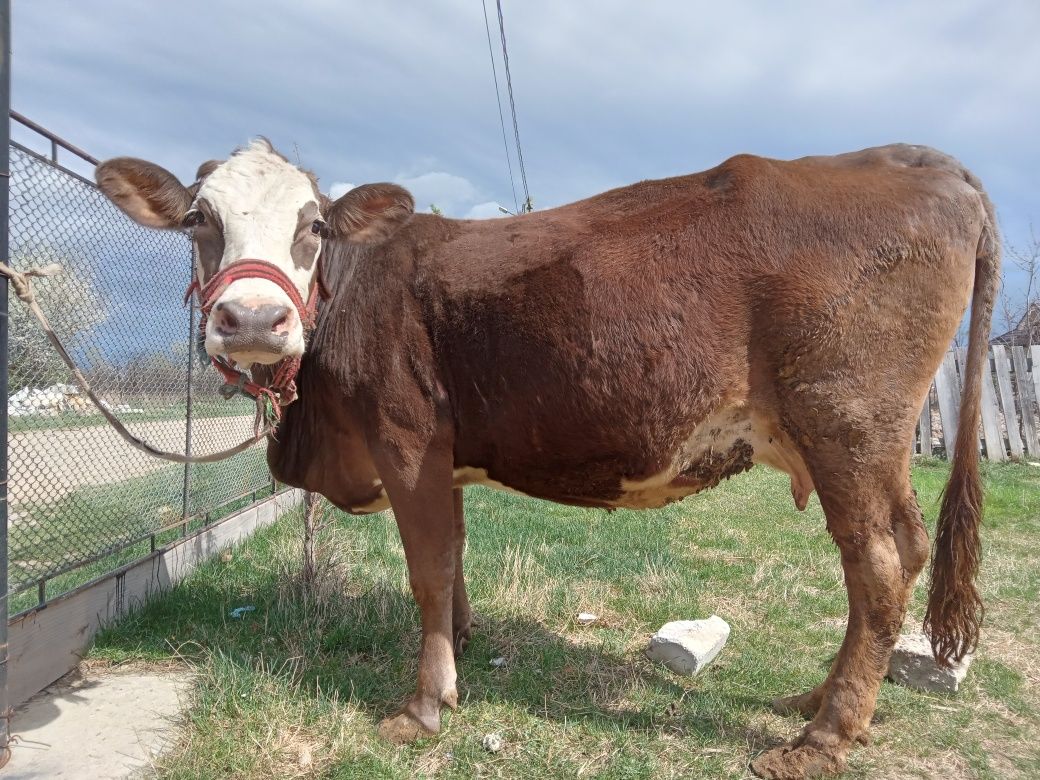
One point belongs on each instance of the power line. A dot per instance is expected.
(501, 117)
(512, 103)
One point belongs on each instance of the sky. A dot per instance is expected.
(607, 93)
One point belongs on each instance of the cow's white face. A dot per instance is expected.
(255, 205)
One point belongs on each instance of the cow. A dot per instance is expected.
(627, 350)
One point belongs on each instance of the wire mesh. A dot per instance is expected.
(78, 492)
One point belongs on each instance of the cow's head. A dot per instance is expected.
(255, 205)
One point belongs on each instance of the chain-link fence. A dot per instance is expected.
(82, 501)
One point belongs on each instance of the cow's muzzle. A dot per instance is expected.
(257, 329)
(253, 331)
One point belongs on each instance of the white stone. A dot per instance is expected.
(687, 646)
(492, 743)
(914, 666)
(587, 618)
(499, 662)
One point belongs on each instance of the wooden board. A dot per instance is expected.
(949, 397)
(1034, 352)
(1026, 399)
(48, 642)
(1007, 400)
(924, 425)
(995, 449)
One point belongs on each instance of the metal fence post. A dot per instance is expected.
(5, 177)
(186, 490)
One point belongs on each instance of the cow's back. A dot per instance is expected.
(629, 349)
(585, 343)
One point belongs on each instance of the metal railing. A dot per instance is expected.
(80, 500)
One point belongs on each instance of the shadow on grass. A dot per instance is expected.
(363, 648)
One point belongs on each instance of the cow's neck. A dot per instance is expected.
(320, 445)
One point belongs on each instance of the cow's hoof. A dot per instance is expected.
(804, 704)
(403, 728)
(796, 763)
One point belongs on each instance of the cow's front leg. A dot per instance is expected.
(426, 515)
(462, 617)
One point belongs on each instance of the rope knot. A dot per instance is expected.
(20, 279)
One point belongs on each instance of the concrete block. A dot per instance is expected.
(914, 666)
(687, 646)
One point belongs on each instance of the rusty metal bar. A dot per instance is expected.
(55, 139)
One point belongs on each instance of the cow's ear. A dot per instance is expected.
(207, 168)
(150, 195)
(371, 213)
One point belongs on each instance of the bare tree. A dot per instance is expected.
(1023, 312)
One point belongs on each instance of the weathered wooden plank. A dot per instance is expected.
(1026, 399)
(1034, 351)
(924, 425)
(948, 394)
(1007, 399)
(46, 643)
(995, 449)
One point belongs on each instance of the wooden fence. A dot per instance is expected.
(1010, 420)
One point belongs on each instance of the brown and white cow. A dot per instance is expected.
(623, 351)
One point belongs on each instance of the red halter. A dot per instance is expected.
(282, 389)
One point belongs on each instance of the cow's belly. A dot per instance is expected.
(725, 444)
(461, 477)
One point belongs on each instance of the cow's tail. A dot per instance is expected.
(954, 606)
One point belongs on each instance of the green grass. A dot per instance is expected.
(296, 688)
(101, 519)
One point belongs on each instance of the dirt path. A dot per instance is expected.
(47, 465)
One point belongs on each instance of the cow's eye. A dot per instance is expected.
(193, 218)
(321, 228)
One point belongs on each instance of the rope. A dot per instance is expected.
(512, 107)
(20, 282)
(501, 116)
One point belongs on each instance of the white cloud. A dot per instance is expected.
(450, 193)
(455, 196)
(340, 188)
(485, 211)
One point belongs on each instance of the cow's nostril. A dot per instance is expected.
(227, 322)
(281, 321)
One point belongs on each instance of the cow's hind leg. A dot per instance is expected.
(805, 704)
(874, 519)
(911, 540)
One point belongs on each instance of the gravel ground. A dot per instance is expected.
(46, 465)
